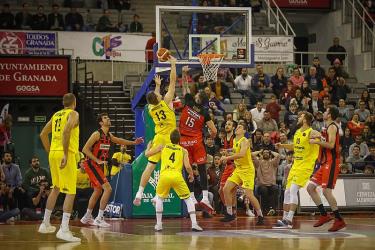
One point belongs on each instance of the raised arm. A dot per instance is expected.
(185, 84)
(157, 80)
(44, 136)
(169, 96)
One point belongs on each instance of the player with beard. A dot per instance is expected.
(305, 156)
(193, 119)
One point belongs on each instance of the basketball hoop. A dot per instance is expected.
(210, 65)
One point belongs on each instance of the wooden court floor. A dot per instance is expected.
(240, 235)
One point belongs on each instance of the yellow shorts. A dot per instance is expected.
(66, 178)
(159, 139)
(243, 177)
(299, 176)
(175, 181)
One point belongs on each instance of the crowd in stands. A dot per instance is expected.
(72, 21)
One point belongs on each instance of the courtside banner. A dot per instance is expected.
(28, 43)
(34, 76)
(303, 4)
(104, 46)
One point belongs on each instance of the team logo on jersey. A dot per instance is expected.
(304, 134)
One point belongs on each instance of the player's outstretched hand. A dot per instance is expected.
(138, 140)
(157, 79)
(172, 59)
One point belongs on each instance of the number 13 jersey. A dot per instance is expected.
(163, 117)
(59, 120)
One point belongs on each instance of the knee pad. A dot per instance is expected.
(294, 194)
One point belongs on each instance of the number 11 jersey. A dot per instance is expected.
(163, 117)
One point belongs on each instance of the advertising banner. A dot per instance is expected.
(360, 192)
(34, 76)
(28, 43)
(104, 46)
(303, 4)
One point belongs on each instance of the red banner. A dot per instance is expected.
(34, 76)
(304, 4)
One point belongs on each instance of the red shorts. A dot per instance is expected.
(326, 175)
(196, 149)
(226, 174)
(95, 173)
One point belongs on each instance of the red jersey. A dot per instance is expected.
(326, 154)
(101, 148)
(193, 119)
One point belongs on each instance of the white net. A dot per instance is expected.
(210, 65)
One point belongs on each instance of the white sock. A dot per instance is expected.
(290, 216)
(193, 218)
(285, 214)
(259, 212)
(100, 214)
(47, 217)
(205, 195)
(88, 213)
(192, 195)
(191, 209)
(65, 221)
(159, 215)
(229, 210)
(140, 192)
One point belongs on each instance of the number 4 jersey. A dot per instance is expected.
(163, 117)
(59, 120)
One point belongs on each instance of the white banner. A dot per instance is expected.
(267, 48)
(104, 46)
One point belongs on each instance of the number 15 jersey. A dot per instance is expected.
(163, 117)
(59, 120)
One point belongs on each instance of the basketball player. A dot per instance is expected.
(165, 122)
(243, 175)
(96, 150)
(327, 174)
(305, 155)
(192, 121)
(62, 151)
(173, 158)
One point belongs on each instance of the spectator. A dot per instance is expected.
(324, 92)
(5, 134)
(355, 161)
(257, 140)
(362, 112)
(261, 83)
(369, 170)
(315, 83)
(250, 123)
(331, 77)
(291, 118)
(149, 51)
(336, 48)
(371, 123)
(122, 4)
(344, 111)
(288, 93)
(5, 212)
(326, 102)
(274, 108)
(340, 72)
(283, 151)
(105, 24)
(266, 168)
(242, 83)
(214, 172)
(55, 19)
(211, 147)
(285, 167)
(199, 85)
(340, 90)
(221, 90)
(89, 22)
(267, 143)
(6, 18)
(213, 103)
(318, 123)
(278, 81)
(39, 198)
(305, 90)
(367, 99)
(355, 126)
(344, 169)
(300, 100)
(363, 148)
(267, 124)
(24, 19)
(73, 20)
(225, 75)
(136, 26)
(315, 104)
(297, 79)
(40, 21)
(119, 159)
(370, 159)
(283, 129)
(320, 72)
(239, 112)
(34, 175)
(258, 112)
(346, 141)
(367, 135)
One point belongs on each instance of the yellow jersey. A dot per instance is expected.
(121, 158)
(305, 154)
(83, 180)
(163, 117)
(245, 162)
(59, 120)
(172, 159)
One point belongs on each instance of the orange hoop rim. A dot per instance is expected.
(206, 57)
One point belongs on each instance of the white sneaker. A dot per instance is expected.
(194, 200)
(206, 204)
(67, 235)
(46, 229)
(87, 220)
(101, 223)
(158, 227)
(250, 213)
(196, 228)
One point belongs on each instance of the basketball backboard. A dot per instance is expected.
(190, 30)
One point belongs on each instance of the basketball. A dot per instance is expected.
(163, 54)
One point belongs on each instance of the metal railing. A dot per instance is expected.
(277, 19)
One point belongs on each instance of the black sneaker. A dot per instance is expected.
(228, 218)
(260, 221)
